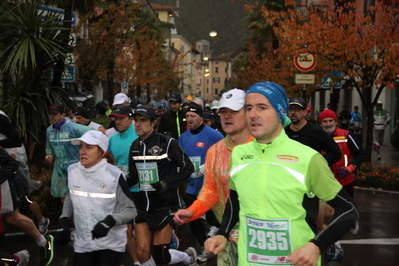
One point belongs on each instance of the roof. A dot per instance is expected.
(224, 56)
(163, 7)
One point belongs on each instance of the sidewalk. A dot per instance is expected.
(389, 155)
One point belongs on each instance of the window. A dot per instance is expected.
(207, 90)
(173, 45)
(199, 47)
(217, 62)
(216, 91)
(216, 69)
(216, 80)
(205, 47)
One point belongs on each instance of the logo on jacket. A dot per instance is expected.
(102, 187)
(155, 150)
(247, 157)
(287, 158)
(200, 144)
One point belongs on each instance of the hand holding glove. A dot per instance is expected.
(160, 186)
(102, 228)
(345, 171)
(62, 236)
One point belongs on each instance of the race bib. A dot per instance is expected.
(196, 160)
(148, 174)
(268, 241)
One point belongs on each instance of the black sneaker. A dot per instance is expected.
(47, 252)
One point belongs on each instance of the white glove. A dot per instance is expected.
(202, 169)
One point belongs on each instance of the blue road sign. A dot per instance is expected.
(44, 10)
(328, 81)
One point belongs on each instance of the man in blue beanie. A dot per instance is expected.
(268, 180)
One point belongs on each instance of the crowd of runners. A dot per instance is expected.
(257, 180)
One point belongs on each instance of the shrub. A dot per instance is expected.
(42, 196)
(385, 174)
(102, 120)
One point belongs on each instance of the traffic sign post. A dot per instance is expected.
(305, 62)
(125, 87)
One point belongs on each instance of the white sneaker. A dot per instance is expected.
(212, 231)
(355, 228)
(23, 256)
(204, 256)
(43, 228)
(193, 256)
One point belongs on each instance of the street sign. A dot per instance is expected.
(72, 40)
(305, 79)
(69, 59)
(44, 10)
(68, 75)
(125, 87)
(328, 82)
(305, 62)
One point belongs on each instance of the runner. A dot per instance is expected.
(195, 143)
(268, 201)
(153, 163)
(215, 191)
(100, 203)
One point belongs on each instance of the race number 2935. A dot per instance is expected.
(268, 241)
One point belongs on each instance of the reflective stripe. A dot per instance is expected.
(151, 157)
(60, 140)
(92, 195)
(298, 176)
(178, 123)
(341, 140)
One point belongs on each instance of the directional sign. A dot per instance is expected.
(328, 82)
(44, 10)
(305, 62)
(125, 87)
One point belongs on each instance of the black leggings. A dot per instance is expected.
(197, 228)
(104, 257)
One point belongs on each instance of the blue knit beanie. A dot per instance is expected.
(276, 96)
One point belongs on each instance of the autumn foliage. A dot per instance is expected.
(121, 44)
(362, 45)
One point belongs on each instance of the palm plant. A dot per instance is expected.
(29, 47)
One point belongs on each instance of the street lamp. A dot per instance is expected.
(213, 33)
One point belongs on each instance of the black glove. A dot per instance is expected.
(160, 186)
(62, 236)
(102, 228)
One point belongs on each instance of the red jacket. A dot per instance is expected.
(341, 138)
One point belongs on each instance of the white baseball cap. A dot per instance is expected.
(233, 99)
(120, 98)
(93, 137)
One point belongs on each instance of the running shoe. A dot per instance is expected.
(193, 256)
(47, 252)
(378, 157)
(43, 228)
(355, 228)
(174, 241)
(212, 231)
(23, 256)
(204, 256)
(334, 252)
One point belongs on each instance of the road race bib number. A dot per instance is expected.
(196, 160)
(268, 241)
(148, 174)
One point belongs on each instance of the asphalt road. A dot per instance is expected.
(376, 243)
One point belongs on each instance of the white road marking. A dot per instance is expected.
(372, 241)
